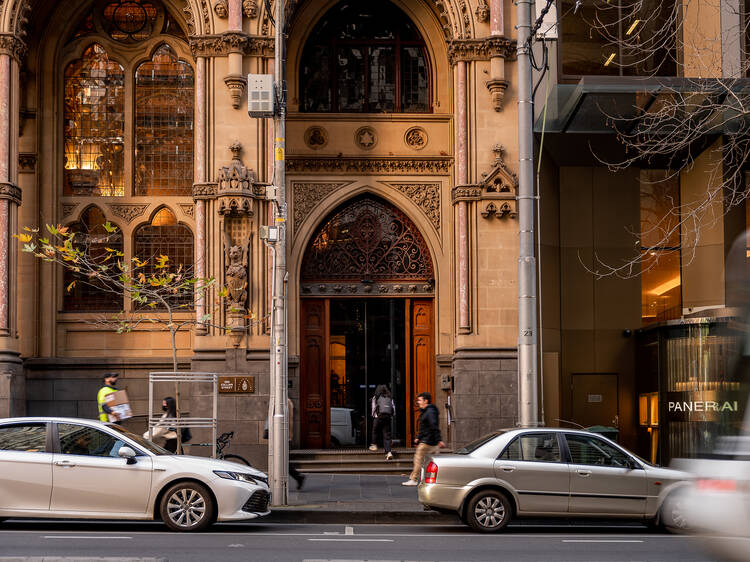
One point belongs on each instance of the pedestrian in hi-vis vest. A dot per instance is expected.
(383, 408)
(110, 386)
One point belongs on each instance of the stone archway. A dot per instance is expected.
(367, 317)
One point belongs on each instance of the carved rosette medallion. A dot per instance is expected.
(366, 138)
(316, 137)
(416, 138)
(307, 195)
(426, 196)
(128, 211)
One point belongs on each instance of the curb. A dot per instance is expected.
(308, 516)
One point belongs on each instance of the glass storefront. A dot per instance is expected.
(692, 385)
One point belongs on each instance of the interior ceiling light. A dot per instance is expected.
(609, 60)
(631, 29)
(667, 286)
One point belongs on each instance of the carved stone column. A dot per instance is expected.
(464, 322)
(235, 80)
(12, 387)
(497, 84)
(200, 177)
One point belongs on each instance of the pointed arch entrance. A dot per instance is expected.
(367, 287)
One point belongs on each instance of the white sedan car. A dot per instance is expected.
(84, 469)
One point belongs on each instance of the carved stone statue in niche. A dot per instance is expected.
(236, 275)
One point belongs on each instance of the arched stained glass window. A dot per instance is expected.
(82, 293)
(94, 125)
(129, 20)
(164, 236)
(364, 57)
(164, 125)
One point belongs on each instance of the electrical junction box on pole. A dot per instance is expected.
(260, 98)
(269, 233)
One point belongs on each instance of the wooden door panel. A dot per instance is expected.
(421, 352)
(313, 366)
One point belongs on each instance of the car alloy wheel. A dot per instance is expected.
(187, 507)
(672, 514)
(488, 511)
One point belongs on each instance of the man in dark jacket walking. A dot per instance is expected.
(428, 439)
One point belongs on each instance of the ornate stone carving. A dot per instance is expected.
(20, 18)
(426, 196)
(482, 12)
(188, 209)
(497, 92)
(316, 137)
(500, 210)
(250, 8)
(349, 165)
(381, 288)
(236, 84)
(68, 208)
(221, 9)
(190, 17)
(12, 46)
(470, 192)
(480, 49)
(204, 190)
(236, 275)
(11, 192)
(26, 162)
(128, 211)
(499, 186)
(234, 41)
(237, 186)
(416, 138)
(366, 138)
(307, 195)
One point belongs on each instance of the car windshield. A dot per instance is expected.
(145, 443)
(474, 445)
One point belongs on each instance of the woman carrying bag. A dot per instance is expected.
(162, 431)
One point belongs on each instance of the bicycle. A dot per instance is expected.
(222, 442)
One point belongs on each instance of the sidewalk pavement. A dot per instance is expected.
(355, 498)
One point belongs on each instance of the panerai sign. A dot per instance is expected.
(703, 406)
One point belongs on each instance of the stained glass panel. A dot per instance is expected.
(164, 236)
(129, 20)
(94, 125)
(164, 125)
(82, 293)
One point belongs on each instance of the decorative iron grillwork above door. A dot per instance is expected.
(367, 246)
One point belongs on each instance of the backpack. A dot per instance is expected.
(384, 405)
(185, 435)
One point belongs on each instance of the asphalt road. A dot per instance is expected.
(291, 542)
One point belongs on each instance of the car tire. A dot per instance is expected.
(672, 514)
(488, 511)
(187, 506)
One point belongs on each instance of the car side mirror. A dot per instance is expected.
(127, 453)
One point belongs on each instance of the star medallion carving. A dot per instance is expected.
(366, 138)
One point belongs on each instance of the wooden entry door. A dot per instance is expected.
(314, 428)
(315, 364)
(421, 360)
(595, 399)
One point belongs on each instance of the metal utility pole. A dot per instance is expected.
(527, 290)
(279, 426)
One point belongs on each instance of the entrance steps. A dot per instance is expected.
(352, 461)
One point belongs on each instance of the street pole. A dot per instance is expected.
(527, 290)
(279, 428)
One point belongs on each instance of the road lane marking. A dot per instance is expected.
(348, 530)
(89, 537)
(352, 540)
(600, 540)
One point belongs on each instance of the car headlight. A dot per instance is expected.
(241, 476)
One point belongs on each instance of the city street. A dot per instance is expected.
(293, 542)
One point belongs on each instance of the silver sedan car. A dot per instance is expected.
(547, 472)
(67, 467)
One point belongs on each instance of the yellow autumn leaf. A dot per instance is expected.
(23, 237)
(70, 287)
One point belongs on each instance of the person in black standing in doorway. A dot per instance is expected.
(162, 430)
(382, 408)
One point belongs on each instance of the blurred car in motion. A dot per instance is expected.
(717, 503)
(548, 472)
(85, 469)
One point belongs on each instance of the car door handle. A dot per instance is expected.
(584, 473)
(64, 463)
(509, 468)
